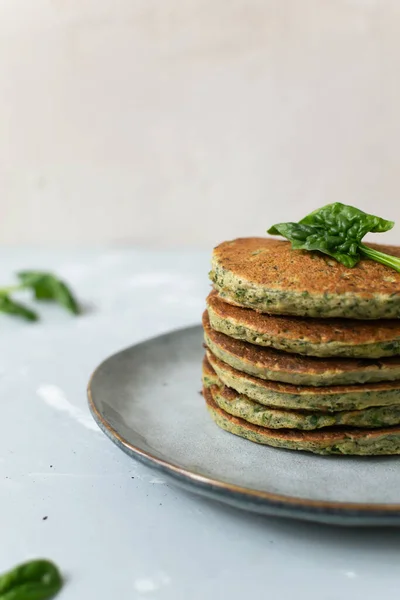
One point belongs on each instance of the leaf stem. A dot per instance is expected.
(5, 291)
(381, 257)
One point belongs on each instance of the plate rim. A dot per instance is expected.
(250, 495)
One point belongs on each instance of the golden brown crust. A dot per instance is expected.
(315, 331)
(207, 368)
(322, 436)
(273, 263)
(289, 388)
(277, 360)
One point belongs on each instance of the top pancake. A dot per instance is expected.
(267, 275)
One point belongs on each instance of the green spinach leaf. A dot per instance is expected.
(34, 580)
(47, 286)
(337, 230)
(9, 306)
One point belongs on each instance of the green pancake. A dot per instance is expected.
(240, 405)
(334, 440)
(275, 365)
(311, 337)
(269, 276)
(286, 395)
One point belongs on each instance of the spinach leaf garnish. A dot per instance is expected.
(33, 580)
(337, 230)
(45, 287)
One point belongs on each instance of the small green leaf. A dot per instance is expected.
(48, 287)
(350, 220)
(9, 306)
(34, 580)
(336, 230)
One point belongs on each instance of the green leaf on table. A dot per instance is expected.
(34, 580)
(48, 287)
(337, 230)
(9, 306)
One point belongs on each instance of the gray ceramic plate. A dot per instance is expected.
(147, 400)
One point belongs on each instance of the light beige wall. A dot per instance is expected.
(188, 121)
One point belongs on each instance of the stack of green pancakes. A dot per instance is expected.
(301, 351)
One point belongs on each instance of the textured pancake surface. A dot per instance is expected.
(275, 365)
(240, 405)
(334, 440)
(286, 395)
(267, 275)
(313, 337)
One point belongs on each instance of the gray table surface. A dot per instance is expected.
(116, 528)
